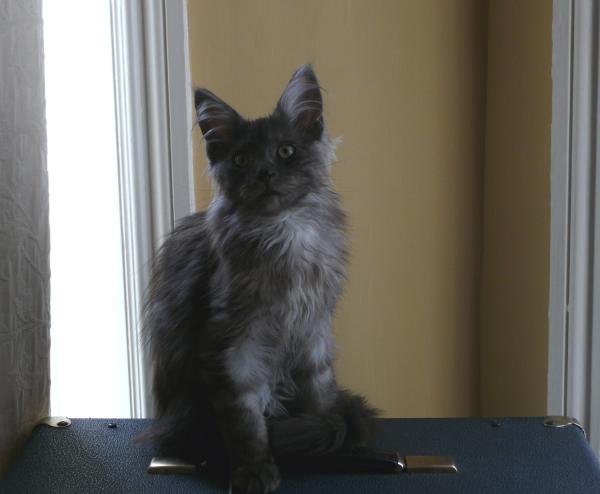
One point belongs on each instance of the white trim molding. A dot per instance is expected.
(153, 112)
(181, 114)
(574, 314)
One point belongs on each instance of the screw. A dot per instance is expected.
(112, 425)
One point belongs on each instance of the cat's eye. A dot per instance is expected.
(285, 151)
(240, 159)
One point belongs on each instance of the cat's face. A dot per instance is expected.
(266, 165)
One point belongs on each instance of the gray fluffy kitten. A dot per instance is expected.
(238, 313)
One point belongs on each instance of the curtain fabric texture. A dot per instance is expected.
(24, 229)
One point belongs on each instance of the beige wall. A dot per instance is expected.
(514, 290)
(405, 90)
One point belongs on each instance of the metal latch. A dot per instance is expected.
(56, 421)
(558, 421)
(163, 464)
(429, 464)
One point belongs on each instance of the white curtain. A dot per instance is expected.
(24, 239)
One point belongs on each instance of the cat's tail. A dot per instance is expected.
(350, 422)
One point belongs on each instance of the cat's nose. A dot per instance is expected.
(265, 175)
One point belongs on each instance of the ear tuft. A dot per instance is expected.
(215, 117)
(302, 102)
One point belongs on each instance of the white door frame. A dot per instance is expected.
(574, 312)
(154, 122)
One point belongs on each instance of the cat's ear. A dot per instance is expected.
(302, 103)
(216, 118)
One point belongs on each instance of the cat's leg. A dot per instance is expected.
(313, 373)
(239, 404)
(322, 423)
(324, 418)
(320, 394)
(244, 431)
(316, 388)
(312, 427)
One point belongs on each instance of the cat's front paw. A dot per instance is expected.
(257, 478)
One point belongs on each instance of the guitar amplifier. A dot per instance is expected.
(450, 456)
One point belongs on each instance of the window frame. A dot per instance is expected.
(153, 109)
(574, 307)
